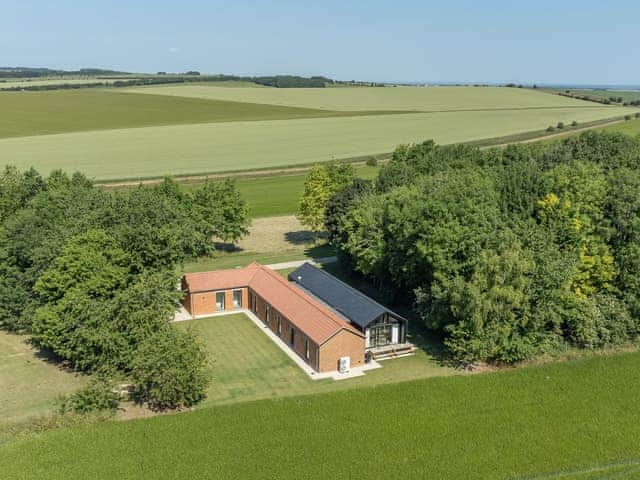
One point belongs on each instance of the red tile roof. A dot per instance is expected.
(220, 279)
(315, 319)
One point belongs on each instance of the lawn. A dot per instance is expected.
(248, 366)
(576, 420)
(29, 384)
(63, 111)
(243, 145)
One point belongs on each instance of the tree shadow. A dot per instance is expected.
(304, 237)
(227, 247)
(48, 356)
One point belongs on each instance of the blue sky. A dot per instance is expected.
(540, 41)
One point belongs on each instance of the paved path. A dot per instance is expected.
(297, 263)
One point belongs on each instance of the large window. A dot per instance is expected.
(219, 301)
(292, 336)
(306, 348)
(267, 312)
(279, 324)
(237, 299)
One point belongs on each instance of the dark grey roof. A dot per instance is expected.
(346, 300)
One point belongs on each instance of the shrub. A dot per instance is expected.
(169, 370)
(627, 117)
(372, 161)
(574, 124)
(560, 125)
(550, 128)
(638, 115)
(98, 394)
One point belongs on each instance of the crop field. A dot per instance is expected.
(29, 385)
(115, 134)
(626, 95)
(632, 127)
(243, 145)
(419, 99)
(62, 111)
(577, 420)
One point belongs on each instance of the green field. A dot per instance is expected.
(29, 384)
(233, 146)
(631, 127)
(425, 99)
(626, 95)
(576, 420)
(63, 111)
(273, 195)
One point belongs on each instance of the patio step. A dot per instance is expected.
(393, 352)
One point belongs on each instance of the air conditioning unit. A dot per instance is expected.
(344, 364)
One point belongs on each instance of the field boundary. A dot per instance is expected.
(493, 142)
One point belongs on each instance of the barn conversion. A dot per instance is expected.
(380, 325)
(327, 327)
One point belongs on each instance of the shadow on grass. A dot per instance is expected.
(304, 237)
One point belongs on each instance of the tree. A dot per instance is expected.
(340, 203)
(322, 182)
(91, 262)
(169, 370)
(220, 211)
(492, 309)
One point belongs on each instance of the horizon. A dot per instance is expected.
(575, 43)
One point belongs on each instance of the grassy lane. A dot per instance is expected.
(63, 111)
(564, 420)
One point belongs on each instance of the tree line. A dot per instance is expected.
(91, 276)
(509, 253)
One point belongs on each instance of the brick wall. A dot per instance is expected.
(342, 344)
(299, 337)
(204, 303)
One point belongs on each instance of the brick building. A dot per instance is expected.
(321, 335)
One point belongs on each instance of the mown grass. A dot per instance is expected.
(566, 420)
(29, 383)
(234, 146)
(63, 111)
(248, 366)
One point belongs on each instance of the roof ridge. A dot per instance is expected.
(236, 269)
(308, 299)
